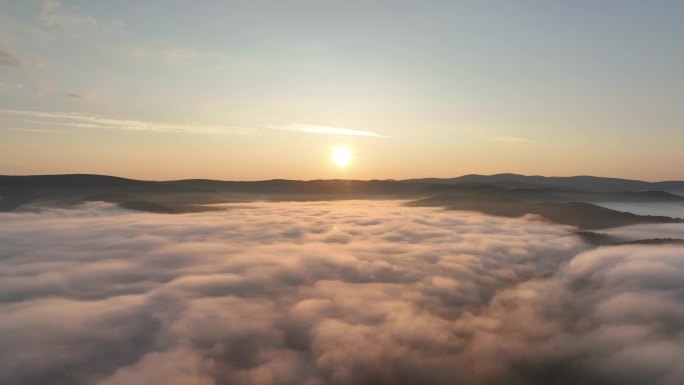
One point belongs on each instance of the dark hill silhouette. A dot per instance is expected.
(297, 187)
(186, 195)
(516, 196)
(82, 181)
(579, 214)
(550, 194)
(600, 239)
(656, 241)
(583, 182)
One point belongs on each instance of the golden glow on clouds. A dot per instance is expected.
(317, 129)
(341, 156)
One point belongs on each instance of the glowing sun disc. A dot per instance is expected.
(341, 156)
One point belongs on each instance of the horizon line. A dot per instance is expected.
(417, 179)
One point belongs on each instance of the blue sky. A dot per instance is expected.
(265, 89)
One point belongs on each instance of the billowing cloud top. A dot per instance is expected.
(330, 293)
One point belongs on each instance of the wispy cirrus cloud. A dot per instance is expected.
(71, 22)
(6, 86)
(177, 54)
(513, 140)
(54, 14)
(81, 95)
(10, 60)
(43, 88)
(81, 120)
(36, 130)
(180, 54)
(326, 130)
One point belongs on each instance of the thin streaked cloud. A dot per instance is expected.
(84, 96)
(326, 130)
(178, 55)
(83, 120)
(513, 141)
(43, 88)
(8, 59)
(7, 86)
(54, 14)
(35, 130)
(80, 120)
(57, 20)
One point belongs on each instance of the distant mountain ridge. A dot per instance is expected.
(565, 200)
(584, 182)
(507, 180)
(18, 190)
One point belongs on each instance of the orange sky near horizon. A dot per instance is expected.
(239, 91)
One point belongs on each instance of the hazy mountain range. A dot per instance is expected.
(565, 200)
(578, 182)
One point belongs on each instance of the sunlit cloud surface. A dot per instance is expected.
(329, 293)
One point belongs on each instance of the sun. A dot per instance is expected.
(341, 156)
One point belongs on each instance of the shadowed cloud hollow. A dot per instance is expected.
(330, 293)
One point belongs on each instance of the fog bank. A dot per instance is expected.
(330, 293)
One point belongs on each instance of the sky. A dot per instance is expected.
(270, 89)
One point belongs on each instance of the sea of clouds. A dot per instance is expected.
(330, 293)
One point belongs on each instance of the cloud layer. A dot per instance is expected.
(330, 293)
